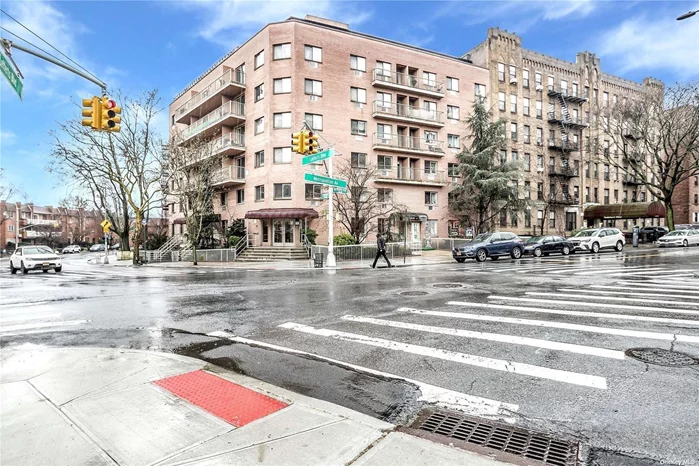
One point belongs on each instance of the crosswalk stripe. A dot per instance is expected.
(34, 317)
(632, 293)
(652, 284)
(552, 324)
(12, 328)
(20, 304)
(575, 378)
(444, 397)
(606, 305)
(646, 273)
(535, 342)
(611, 298)
(620, 270)
(598, 315)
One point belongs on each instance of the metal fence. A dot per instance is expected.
(366, 252)
(445, 244)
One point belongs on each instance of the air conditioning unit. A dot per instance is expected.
(315, 204)
(540, 169)
(384, 141)
(431, 207)
(358, 73)
(358, 105)
(454, 179)
(312, 64)
(539, 87)
(313, 98)
(513, 80)
(384, 172)
(539, 143)
(383, 206)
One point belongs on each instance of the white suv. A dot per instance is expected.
(596, 239)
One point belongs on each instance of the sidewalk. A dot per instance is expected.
(80, 406)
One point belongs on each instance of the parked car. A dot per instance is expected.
(651, 234)
(72, 249)
(683, 238)
(97, 247)
(545, 245)
(115, 246)
(601, 238)
(28, 258)
(493, 245)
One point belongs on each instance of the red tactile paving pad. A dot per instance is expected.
(231, 402)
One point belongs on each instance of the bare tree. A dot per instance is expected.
(7, 191)
(121, 170)
(78, 205)
(194, 168)
(363, 205)
(657, 136)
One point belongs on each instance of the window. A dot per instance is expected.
(282, 120)
(453, 141)
(260, 193)
(260, 125)
(515, 156)
(614, 99)
(550, 83)
(430, 167)
(384, 162)
(513, 131)
(527, 162)
(357, 63)
(501, 72)
(10, 228)
(313, 191)
(606, 196)
(313, 87)
(527, 190)
(358, 94)
(359, 127)
(259, 159)
(429, 79)
(240, 196)
(587, 194)
(503, 157)
(315, 121)
(383, 70)
(282, 51)
(571, 221)
(384, 99)
(503, 218)
(453, 84)
(453, 169)
(311, 53)
(526, 134)
(552, 219)
(513, 74)
(513, 103)
(222, 198)
(259, 59)
(595, 95)
(282, 155)
(282, 86)
(539, 218)
(616, 196)
(525, 106)
(596, 194)
(540, 162)
(539, 136)
(430, 137)
(358, 160)
(501, 101)
(696, 181)
(384, 195)
(383, 131)
(525, 78)
(539, 111)
(643, 196)
(538, 79)
(282, 190)
(575, 89)
(564, 86)
(453, 112)
(605, 98)
(260, 92)
(527, 220)
(431, 198)
(540, 191)
(480, 90)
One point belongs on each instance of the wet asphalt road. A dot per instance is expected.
(527, 334)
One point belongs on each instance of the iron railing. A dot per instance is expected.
(408, 111)
(403, 79)
(397, 141)
(232, 108)
(411, 175)
(229, 77)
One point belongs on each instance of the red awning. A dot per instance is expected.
(282, 213)
(630, 210)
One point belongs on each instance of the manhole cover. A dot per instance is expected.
(414, 293)
(661, 357)
(447, 285)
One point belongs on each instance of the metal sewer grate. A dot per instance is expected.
(414, 293)
(515, 441)
(661, 357)
(447, 285)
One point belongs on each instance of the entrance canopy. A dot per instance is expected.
(282, 213)
(410, 217)
(626, 211)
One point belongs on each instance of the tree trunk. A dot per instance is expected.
(137, 241)
(669, 215)
(124, 241)
(194, 253)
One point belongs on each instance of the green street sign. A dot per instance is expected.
(325, 180)
(326, 154)
(11, 75)
(325, 196)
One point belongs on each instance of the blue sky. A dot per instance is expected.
(139, 45)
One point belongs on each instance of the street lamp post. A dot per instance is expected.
(687, 15)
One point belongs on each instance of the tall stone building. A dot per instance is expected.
(554, 113)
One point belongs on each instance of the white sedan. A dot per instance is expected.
(29, 258)
(683, 238)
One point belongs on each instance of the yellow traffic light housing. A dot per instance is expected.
(298, 143)
(313, 145)
(92, 110)
(110, 118)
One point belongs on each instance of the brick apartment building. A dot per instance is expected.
(685, 201)
(554, 112)
(384, 104)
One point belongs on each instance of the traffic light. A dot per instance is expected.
(91, 110)
(110, 115)
(312, 146)
(298, 142)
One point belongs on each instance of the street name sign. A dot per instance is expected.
(326, 154)
(10, 75)
(325, 180)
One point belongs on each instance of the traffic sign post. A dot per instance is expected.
(106, 225)
(326, 154)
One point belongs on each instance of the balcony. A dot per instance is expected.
(228, 176)
(563, 172)
(563, 145)
(231, 83)
(41, 222)
(229, 114)
(229, 144)
(411, 176)
(408, 114)
(409, 145)
(567, 94)
(564, 199)
(578, 122)
(40, 234)
(407, 83)
(631, 180)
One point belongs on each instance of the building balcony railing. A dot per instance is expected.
(580, 122)
(568, 94)
(41, 222)
(411, 176)
(230, 83)
(394, 80)
(563, 145)
(413, 145)
(564, 199)
(631, 180)
(402, 112)
(566, 172)
(229, 144)
(229, 113)
(229, 175)
(40, 234)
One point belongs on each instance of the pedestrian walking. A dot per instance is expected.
(381, 245)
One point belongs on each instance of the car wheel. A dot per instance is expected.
(537, 252)
(595, 247)
(566, 250)
(12, 269)
(481, 255)
(494, 258)
(516, 253)
(24, 269)
(685, 244)
(619, 246)
(58, 269)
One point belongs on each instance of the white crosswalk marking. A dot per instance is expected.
(631, 293)
(605, 305)
(612, 298)
(688, 288)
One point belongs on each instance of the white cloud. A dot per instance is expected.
(659, 42)
(7, 138)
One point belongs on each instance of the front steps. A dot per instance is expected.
(266, 254)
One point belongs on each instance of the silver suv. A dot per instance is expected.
(601, 238)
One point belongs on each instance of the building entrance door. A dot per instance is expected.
(415, 232)
(283, 233)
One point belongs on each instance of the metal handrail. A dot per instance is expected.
(407, 111)
(403, 79)
(306, 244)
(229, 77)
(240, 246)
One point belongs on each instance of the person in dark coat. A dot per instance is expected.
(381, 245)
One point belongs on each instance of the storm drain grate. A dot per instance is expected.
(661, 357)
(502, 437)
(447, 285)
(414, 293)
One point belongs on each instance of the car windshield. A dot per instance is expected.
(482, 237)
(37, 250)
(585, 233)
(535, 239)
(677, 233)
